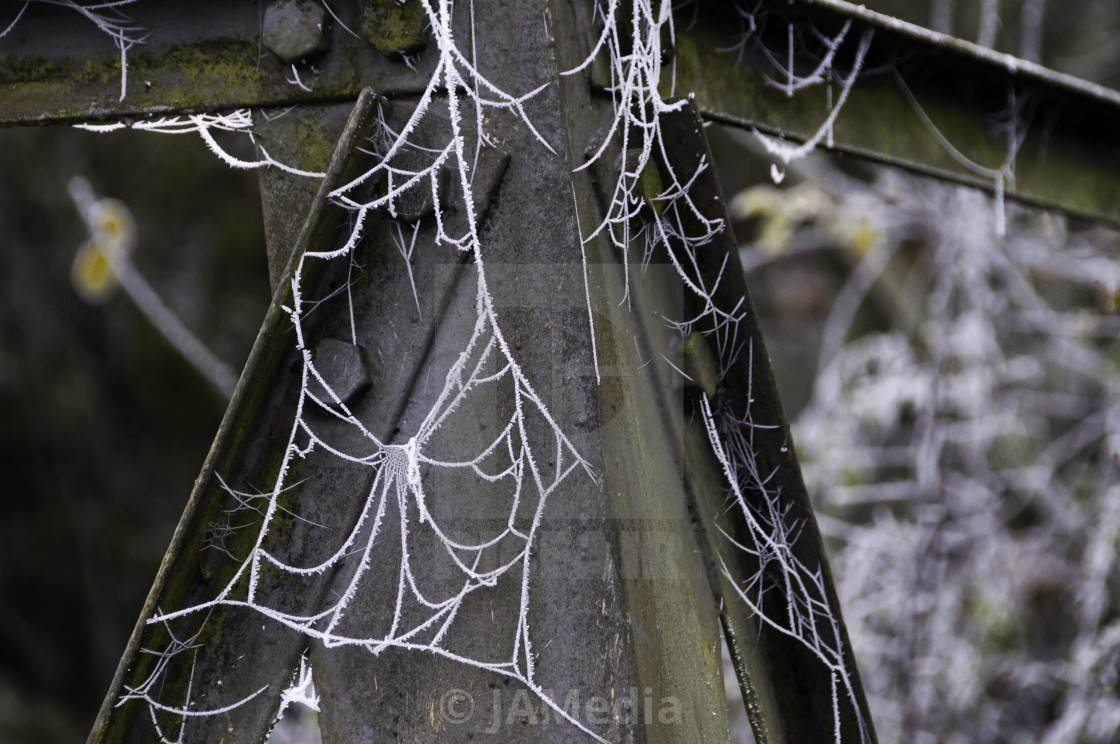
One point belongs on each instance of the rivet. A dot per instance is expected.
(294, 29)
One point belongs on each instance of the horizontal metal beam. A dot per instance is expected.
(210, 56)
(919, 96)
(187, 57)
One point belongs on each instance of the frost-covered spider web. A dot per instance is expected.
(400, 517)
(397, 535)
(652, 208)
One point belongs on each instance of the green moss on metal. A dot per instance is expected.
(700, 364)
(189, 75)
(229, 65)
(41, 70)
(314, 143)
(394, 27)
(721, 74)
(51, 85)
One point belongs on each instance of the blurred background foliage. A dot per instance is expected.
(105, 426)
(955, 402)
(969, 493)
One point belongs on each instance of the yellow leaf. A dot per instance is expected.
(113, 225)
(92, 273)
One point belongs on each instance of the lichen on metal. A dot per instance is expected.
(394, 27)
(1068, 159)
(196, 57)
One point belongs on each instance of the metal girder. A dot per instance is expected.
(302, 136)
(912, 81)
(244, 444)
(209, 56)
(625, 612)
(189, 57)
(627, 585)
(613, 610)
(788, 693)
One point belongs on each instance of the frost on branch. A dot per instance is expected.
(963, 454)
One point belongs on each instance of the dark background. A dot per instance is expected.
(104, 427)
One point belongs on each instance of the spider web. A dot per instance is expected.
(402, 511)
(400, 515)
(675, 227)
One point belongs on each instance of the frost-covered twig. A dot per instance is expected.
(112, 232)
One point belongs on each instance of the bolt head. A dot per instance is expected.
(294, 29)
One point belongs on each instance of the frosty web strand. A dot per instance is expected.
(674, 224)
(107, 16)
(789, 153)
(236, 121)
(398, 468)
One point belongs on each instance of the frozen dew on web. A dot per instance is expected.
(398, 536)
(673, 224)
(400, 507)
